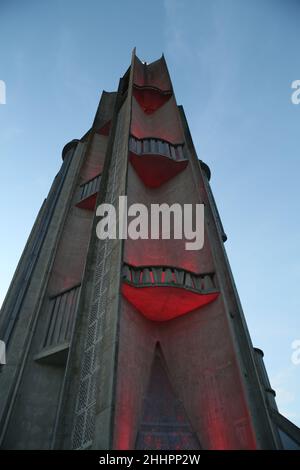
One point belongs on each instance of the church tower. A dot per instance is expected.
(123, 343)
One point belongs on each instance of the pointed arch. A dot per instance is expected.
(164, 423)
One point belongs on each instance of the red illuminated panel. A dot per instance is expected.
(162, 303)
(150, 99)
(164, 124)
(155, 170)
(88, 203)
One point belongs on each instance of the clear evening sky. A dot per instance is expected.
(232, 63)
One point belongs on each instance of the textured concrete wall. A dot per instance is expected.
(202, 368)
(166, 252)
(25, 418)
(97, 401)
(198, 347)
(209, 360)
(33, 414)
(88, 397)
(163, 124)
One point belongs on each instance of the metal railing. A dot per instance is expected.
(165, 275)
(89, 187)
(61, 311)
(157, 147)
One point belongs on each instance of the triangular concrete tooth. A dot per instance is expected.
(146, 279)
(152, 146)
(168, 276)
(167, 150)
(126, 272)
(197, 282)
(180, 152)
(132, 144)
(173, 153)
(138, 147)
(136, 275)
(175, 276)
(179, 276)
(157, 274)
(208, 283)
(146, 146)
(188, 281)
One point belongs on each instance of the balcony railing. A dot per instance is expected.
(163, 293)
(151, 146)
(90, 187)
(150, 98)
(169, 276)
(88, 193)
(62, 309)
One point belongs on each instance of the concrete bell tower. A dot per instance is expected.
(131, 344)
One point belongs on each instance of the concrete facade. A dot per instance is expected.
(85, 368)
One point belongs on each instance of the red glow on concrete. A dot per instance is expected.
(150, 99)
(162, 303)
(88, 203)
(155, 170)
(124, 431)
(164, 124)
(216, 429)
(219, 430)
(104, 130)
(164, 411)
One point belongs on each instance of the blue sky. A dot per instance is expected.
(232, 63)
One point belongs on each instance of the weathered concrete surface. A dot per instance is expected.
(96, 399)
(23, 342)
